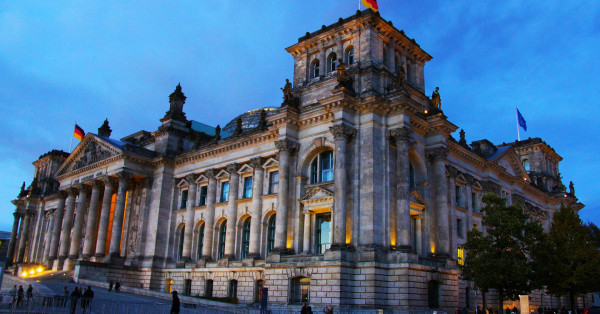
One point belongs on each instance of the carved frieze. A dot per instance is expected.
(93, 153)
(286, 145)
(437, 154)
(342, 132)
(400, 135)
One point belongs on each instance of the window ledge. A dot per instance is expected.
(244, 200)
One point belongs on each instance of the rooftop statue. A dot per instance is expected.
(341, 72)
(287, 91)
(435, 99)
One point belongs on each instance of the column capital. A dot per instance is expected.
(232, 168)
(147, 182)
(123, 175)
(400, 135)
(286, 145)
(96, 184)
(191, 179)
(437, 154)
(62, 195)
(342, 132)
(72, 191)
(18, 215)
(256, 163)
(109, 181)
(83, 188)
(210, 173)
(452, 171)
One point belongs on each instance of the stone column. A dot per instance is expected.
(23, 236)
(438, 158)
(341, 133)
(306, 238)
(13, 237)
(209, 218)
(401, 137)
(189, 219)
(419, 234)
(117, 227)
(58, 221)
(234, 179)
(323, 61)
(286, 148)
(257, 192)
(109, 185)
(92, 221)
(78, 226)
(48, 236)
(340, 51)
(65, 236)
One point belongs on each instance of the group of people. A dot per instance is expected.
(86, 295)
(307, 309)
(18, 295)
(116, 285)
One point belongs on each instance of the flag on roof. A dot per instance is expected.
(371, 4)
(521, 120)
(78, 133)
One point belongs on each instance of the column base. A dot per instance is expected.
(114, 259)
(402, 248)
(58, 263)
(341, 247)
(69, 264)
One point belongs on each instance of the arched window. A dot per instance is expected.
(323, 233)
(331, 62)
(222, 234)
(321, 168)
(200, 242)
(180, 243)
(314, 68)
(271, 234)
(526, 164)
(350, 55)
(246, 238)
(300, 290)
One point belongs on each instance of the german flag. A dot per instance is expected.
(371, 4)
(78, 133)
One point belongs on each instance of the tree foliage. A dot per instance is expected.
(573, 260)
(501, 258)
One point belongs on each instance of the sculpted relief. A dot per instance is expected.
(93, 153)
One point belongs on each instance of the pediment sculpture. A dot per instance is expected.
(92, 153)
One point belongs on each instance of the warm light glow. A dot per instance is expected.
(24, 274)
(432, 248)
(40, 269)
(426, 111)
(32, 272)
(461, 256)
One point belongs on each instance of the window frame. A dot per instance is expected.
(273, 185)
(296, 293)
(180, 239)
(332, 62)
(183, 199)
(247, 191)
(320, 246)
(200, 245)
(221, 240)
(224, 197)
(232, 286)
(315, 68)
(317, 172)
(271, 223)
(203, 194)
(245, 241)
(350, 55)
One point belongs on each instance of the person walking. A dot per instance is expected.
(175, 305)
(20, 294)
(306, 309)
(110, 286)
(13, 295)
(86, 301)
(75, 295)
(29, 294)
(117, 286)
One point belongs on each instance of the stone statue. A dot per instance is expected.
(435, 99)
(218, 132)
(238, 126)
(287, 91)
(23, 187)
(400, 75)
(571, 188)
(262, 123)
(342, 78)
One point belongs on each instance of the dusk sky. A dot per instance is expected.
(85, 61)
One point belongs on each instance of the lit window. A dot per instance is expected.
(224, 191)
(246, 238)
(350, 55)
(300, 290)
(184, 196)
(322, 168)
(271, 234)
(526, 164)
(232, 289)
(222, 234)
(273, 182)
(315, 68)
(461, 256)
(323, 230)
(180, 243)
(331, 62)
(247, 187)
(202, 198)
(200, 241)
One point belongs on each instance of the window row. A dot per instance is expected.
(461, 200)
(332, 62)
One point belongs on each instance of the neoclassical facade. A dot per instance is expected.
(351, 193)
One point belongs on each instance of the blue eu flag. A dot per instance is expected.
(522, 122)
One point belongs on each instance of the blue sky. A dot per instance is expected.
(87, 61)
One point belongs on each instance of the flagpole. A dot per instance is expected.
(518, 131)
(71, 144)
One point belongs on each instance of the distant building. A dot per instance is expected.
(4, 241)
(351, 193)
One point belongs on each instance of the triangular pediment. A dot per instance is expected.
(245, 169)
(90, 151)
(201, 179)
(416, 197)
(222, 174)
(271, 162)
(510, 161)
(316, 193)
(182, 183)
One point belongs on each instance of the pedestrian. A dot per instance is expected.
(328, 310)
(13, 295)
(75, 295)
(65, 296)
(306, 309)
(29, 293)
(110, 286)
(175, 305)
(20, 294)
(86, 301)
(117, 286)
(457, 311)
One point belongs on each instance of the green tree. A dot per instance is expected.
(594, 234)
(574, 259)
(502, 259)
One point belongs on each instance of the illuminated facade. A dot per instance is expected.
(351, 193)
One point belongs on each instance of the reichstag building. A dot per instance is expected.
(352, 192)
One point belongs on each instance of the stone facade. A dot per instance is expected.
(352, 193)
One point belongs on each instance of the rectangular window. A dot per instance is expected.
(474, 202)
(458, 196)
(327, 167)
(461, 256)
(184, 195)
(299, 290)
(323, 230)
(224, 191)
(247, 187)
(274, 182)
(232, 291)
(202, 198)
(459, 227)
(208, 289)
